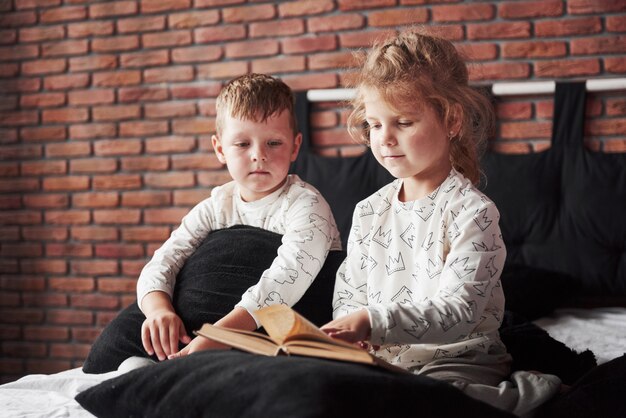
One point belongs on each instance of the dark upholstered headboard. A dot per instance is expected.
(562, 210)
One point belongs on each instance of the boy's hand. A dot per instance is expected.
(197, 344)
(354, 328)
(161, 331)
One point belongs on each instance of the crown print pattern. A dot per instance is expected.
(431, 268)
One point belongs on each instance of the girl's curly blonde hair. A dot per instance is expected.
(416, 67)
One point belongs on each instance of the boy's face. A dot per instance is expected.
(257, 154)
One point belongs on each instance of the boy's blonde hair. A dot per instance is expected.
(416, 66)
(255, 97)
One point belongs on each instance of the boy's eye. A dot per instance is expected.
(274, 143)
(241, 144)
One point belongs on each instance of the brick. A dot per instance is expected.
(530, 9)
(598, 46)
(286, 27)
(207, 108)
(615, 23)
(95, 200)
(33, 4)
(213, 3)
(8, 266)
(196, 162)
(109, 9)
(332, 137)
(45, 333)
(46, 233)
(567, 27)
(279, 65)
(91, 97)
(143, 128)
(63, 82)
(74, 217)
(362, 39)
(18, 52)
(8, 36)
(193, 126)
(616, 107)
(140, 24)
(22, 316)
(117, 216)
(615, 65)
(196, 54)
(37, 168)
(115, 43)
(93, 165)
(614, 145)
(64, 115)
(94, 267)
(44, 300)
(117, 285)
(41, 33)
(92, 130)
(594, 6)
(193, 19)
(569, 68)
(46, 366)
(44, 66)
(146, 198)
(41, 100)
(145, 234)
(219, 34)
(169, 180)
(154, 6)
(116, 78)
(525, 130)
(613, 126)
(92, 62)
(72, 284)
(252, 48)
(22, 283)
(169, 109)
(534, 49)
(71, 47)
(44, 266)
(68, 149)
(168, 74)
(23, 349)
(70, 316)
(311, 81)
(103, 318)
(44, 133)
(144, 59)
(170, 144)
(20, 152)
(222, 70)
(508, 30)
(115, 113)
(20, 86)
(90, 28)
(63, 14)
(141, 94)
(397, 17)
(190, 197)
(46, 201)
(13, 20)
(497, 71)
(169, 38)
(63, 183)
(73, 250)
(462, 12)
(145, 163)
(116, 250)
(9, 170)
(248, 13)
(117, 181)
(85, 334)
(331, 60)
(304, 7)
(8, 71)
(336, 23)
(19, 118)
(195, 91)
(164, 216)
(21, 250)
(94, 233)
(309, 44)
(514, 110)
(478, 51)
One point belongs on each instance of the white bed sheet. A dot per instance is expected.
(603, 331)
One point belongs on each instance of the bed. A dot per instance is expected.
(563, 220)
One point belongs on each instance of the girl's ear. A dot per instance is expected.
(297, 142)
(217, 146)
(455, 122)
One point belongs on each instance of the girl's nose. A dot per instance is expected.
(388, 137)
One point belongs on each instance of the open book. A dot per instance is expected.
(290, 333)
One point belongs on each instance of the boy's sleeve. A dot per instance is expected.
(159, 274)
(310, 232)
(468, 282)
(351, 282)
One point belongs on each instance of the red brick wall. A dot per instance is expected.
(106, 109)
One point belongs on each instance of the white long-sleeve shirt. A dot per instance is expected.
(427, 271)
(296, 210)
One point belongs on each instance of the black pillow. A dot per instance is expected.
(235, 384)
(210, 283)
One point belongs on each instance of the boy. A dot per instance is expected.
(257, 139)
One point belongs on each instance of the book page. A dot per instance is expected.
(252, 342)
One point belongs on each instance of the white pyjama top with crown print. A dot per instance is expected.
(296, 210)
(428, 272)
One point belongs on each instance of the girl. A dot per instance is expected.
(420, 284)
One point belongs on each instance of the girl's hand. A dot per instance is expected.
(197, 344)
(354, 328)
(161, 331)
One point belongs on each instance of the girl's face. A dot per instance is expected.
(410, 142)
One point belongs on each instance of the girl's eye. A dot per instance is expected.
(405, 124)
(374, 126)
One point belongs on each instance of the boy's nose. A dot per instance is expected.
(258, 154)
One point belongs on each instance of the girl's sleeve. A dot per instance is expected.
(469, 280)
(310, 232)
(351, 282)
(159, 274)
